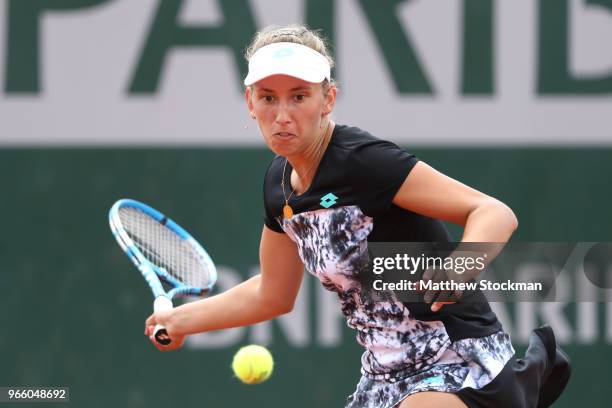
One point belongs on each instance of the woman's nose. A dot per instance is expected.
(283, 115)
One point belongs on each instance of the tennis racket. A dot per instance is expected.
(162, 251)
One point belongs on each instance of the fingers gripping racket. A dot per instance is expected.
(161, 249)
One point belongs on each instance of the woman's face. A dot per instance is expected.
(290, 112)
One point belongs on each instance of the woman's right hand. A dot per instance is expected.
(163, 318)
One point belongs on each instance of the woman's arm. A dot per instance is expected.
(263, 297)
(428, 192)
(485, 219)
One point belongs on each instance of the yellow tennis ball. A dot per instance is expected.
(253, 364)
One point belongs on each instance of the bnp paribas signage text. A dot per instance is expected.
(457, 71)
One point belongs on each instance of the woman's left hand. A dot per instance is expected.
(442, 297)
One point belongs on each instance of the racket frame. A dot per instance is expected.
(153, 273)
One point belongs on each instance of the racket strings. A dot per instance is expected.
(162, 247)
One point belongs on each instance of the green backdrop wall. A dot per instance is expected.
(73, 307)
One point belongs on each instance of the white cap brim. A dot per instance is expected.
(290, 59)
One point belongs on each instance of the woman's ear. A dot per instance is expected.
(330, 99)
(248, 94)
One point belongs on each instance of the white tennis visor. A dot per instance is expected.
(291, 59)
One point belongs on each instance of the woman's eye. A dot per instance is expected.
(300, 98)
(268, 98)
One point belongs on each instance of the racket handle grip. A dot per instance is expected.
(160, 333)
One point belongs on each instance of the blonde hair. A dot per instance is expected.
(293, 33)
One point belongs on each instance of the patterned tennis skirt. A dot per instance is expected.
(473, 363)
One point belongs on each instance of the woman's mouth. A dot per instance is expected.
(284, 135)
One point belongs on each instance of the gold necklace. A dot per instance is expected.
(287, 210)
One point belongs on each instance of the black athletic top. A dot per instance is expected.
(348, 204)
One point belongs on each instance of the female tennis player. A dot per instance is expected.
(329, 191)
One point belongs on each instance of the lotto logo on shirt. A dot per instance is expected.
(328, 200)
